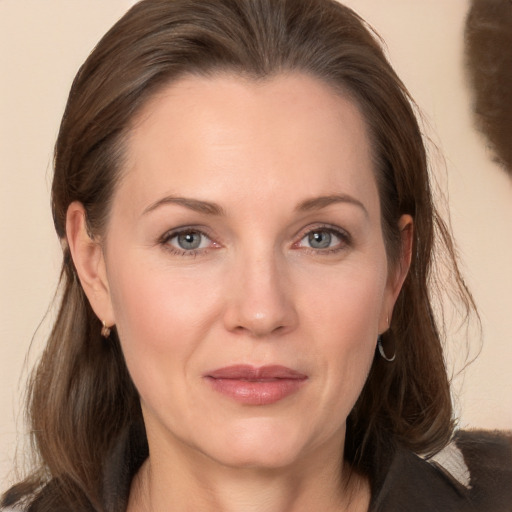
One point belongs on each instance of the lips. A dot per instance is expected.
(251, 385)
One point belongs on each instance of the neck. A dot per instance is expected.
(319, 482)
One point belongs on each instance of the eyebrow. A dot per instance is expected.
(317, 203)
(209, 208)
(192, 204)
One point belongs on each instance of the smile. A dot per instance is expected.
(250, 385)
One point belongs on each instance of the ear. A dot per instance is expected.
(398, 274)
(87, 254)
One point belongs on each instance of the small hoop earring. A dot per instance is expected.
(382, 353)
(105, 331)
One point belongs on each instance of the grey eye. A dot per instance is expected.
(189, 240)
(320, 239)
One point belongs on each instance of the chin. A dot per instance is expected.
(262, 446)
(261, 459)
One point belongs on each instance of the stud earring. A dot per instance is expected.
(105, 331)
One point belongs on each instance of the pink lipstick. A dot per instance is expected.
(256, 386)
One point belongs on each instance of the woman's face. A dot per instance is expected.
(245, 267)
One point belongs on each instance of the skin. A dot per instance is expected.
(257, 290)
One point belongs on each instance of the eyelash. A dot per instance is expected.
(342, 235)
(344, 238)
(167, 237)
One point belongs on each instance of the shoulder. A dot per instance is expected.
(488, 456)
(473, 473)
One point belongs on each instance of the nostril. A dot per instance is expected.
(258, 331)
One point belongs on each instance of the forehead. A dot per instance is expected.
(203, 136)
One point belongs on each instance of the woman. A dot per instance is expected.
(242, 194)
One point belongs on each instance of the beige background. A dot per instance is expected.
(42, 43)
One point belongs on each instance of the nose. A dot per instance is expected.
(260, 299)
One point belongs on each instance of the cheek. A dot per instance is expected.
(162, 316)
(345, 320)
(159, 311)
(348, 303)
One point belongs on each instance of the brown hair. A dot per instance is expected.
(488, 35)
(81, 395)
